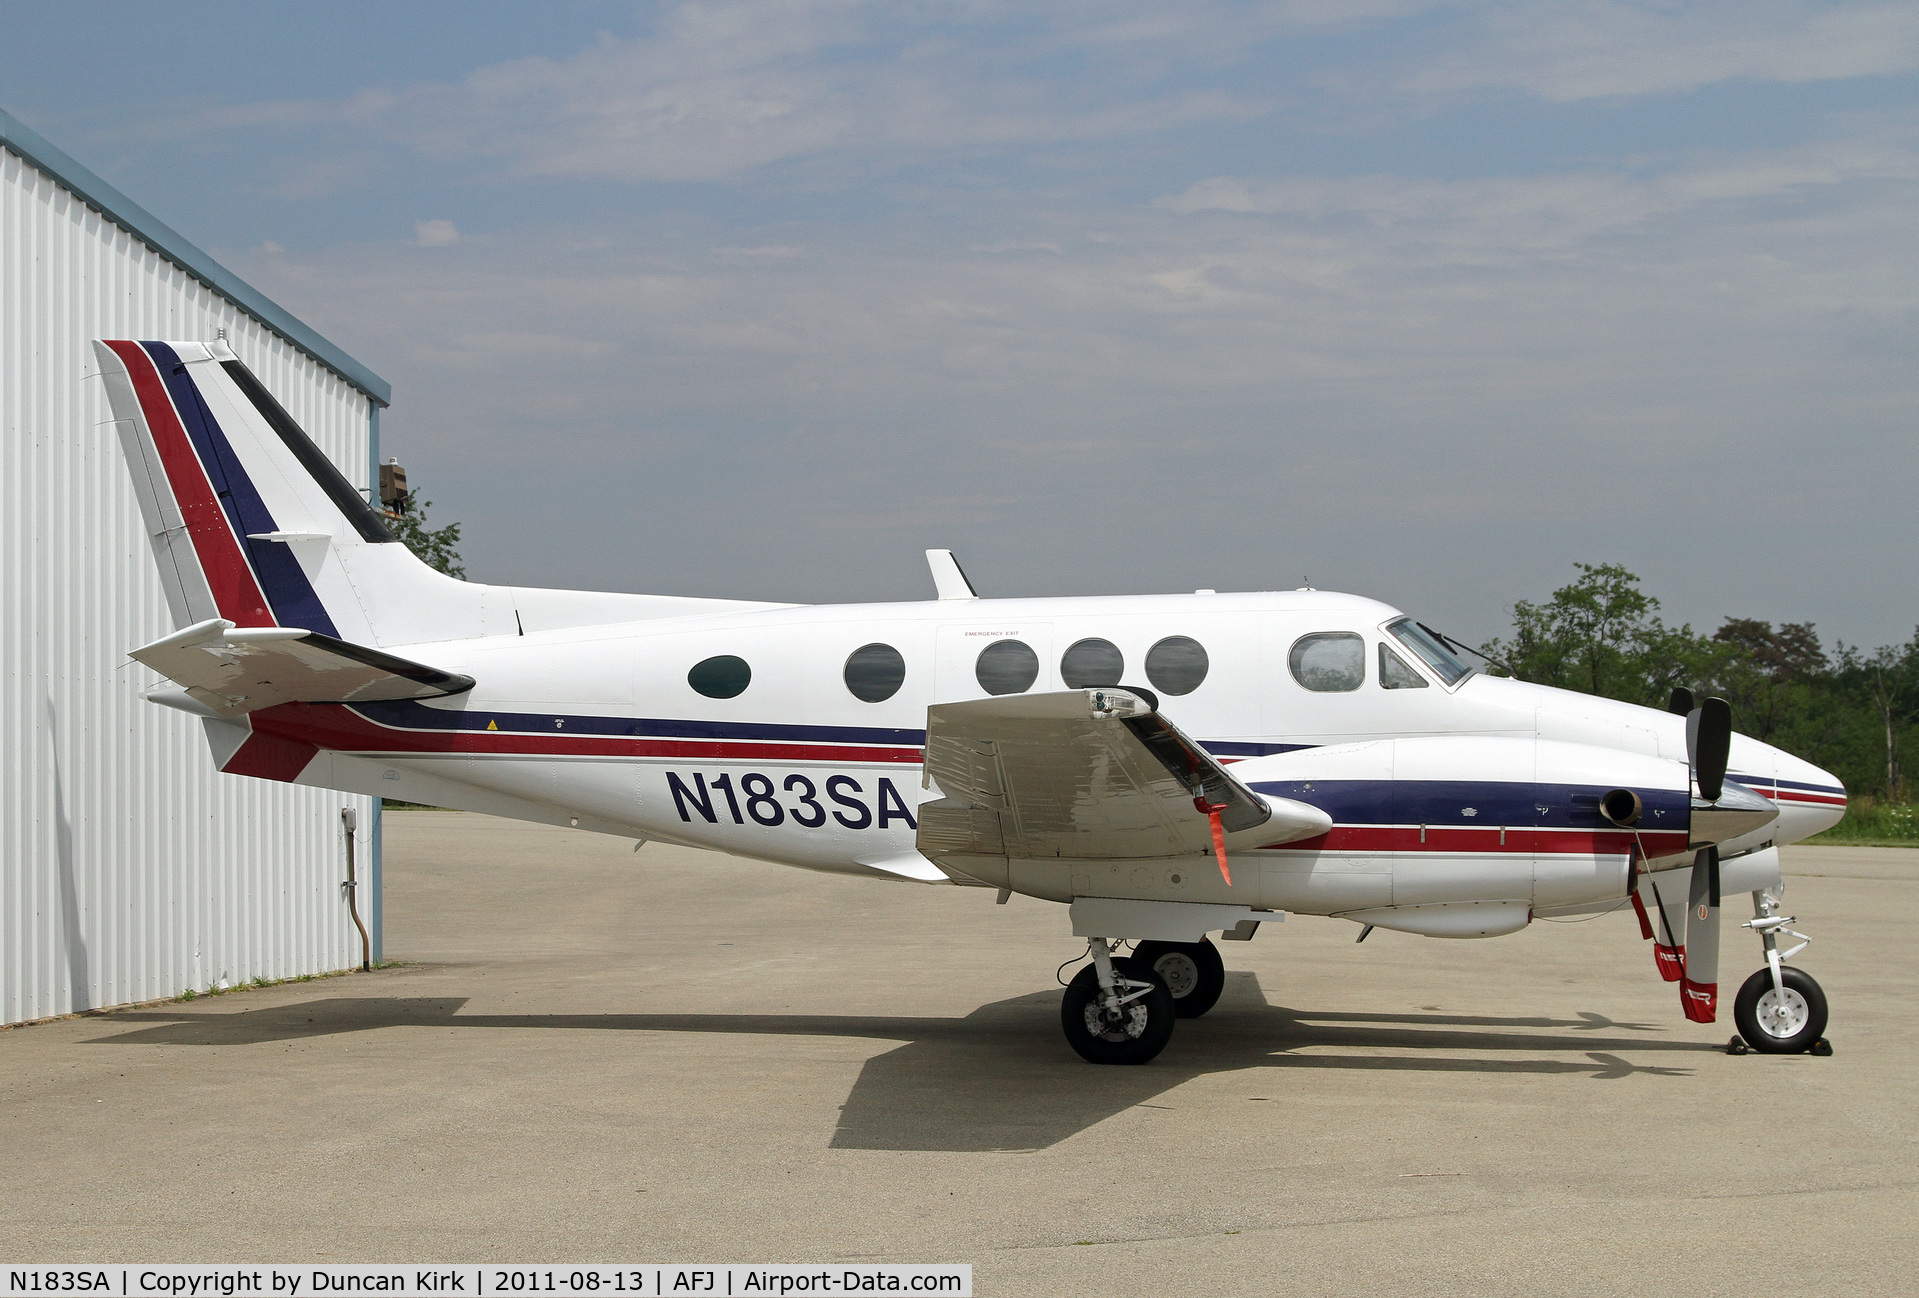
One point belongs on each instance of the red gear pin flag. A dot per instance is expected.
(1212, 810)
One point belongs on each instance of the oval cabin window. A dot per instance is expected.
(724, 677)
(1329, 662)
(874, 673)
(1177, 665)
(1007, 667)
(1091, 664)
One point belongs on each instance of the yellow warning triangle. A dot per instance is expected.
(492, 725)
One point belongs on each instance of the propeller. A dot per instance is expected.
(1708, 748)
(1709, 745)
(1699, 988)
(1681, 701)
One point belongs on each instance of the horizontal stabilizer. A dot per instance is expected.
(233, 670)
(1084, 774)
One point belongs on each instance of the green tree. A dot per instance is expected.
(438, 547)
(1601, 634)
(1884, 689)
(1769, 674)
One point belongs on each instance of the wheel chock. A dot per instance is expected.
(1821, 1047)
(1738, 1046)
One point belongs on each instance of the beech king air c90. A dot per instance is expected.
(1166, 766)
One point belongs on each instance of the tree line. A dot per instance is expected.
(1850, 710)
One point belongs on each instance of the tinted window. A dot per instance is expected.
(1330, 662)
(1007, 667)
(1176, 665)
(1419, 638)
(1395, 673)
(720, 678)
(875, 672)
(1091, 663)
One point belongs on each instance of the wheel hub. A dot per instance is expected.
(1782, 1014)
(1123, 1024)
(1180, 971)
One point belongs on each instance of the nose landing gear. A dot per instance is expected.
(1779, 1010)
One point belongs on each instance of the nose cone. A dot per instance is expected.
(1738, 812)
(1809, 799)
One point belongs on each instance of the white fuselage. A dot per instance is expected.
(599, 726)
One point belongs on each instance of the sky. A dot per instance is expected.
(1424, 301)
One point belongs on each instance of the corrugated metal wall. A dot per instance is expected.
(129, 868)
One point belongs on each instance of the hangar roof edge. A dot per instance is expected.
(171, 244)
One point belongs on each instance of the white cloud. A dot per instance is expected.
(1583, 49)
(435, 234)
(1406, 386)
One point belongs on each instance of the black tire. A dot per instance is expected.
(1193, 971)
(1772, 1029)
(1145, 1028)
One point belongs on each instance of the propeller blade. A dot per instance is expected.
(1680, 704)
(1668, 917)
(1709, 745)
(1699, 989)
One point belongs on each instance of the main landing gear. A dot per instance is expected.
(1121, 1009)
(1116, 1011)
(1193, 971)
(1780, 1010)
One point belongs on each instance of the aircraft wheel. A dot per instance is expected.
(1193, 971)
(1138, 1032)
(1775, 1024)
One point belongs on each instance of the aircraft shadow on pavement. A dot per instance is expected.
(1001, 1078)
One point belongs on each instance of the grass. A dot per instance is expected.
(1873, 822)
(190, 994)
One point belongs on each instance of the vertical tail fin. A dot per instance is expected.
(250, 522)
(242, 509)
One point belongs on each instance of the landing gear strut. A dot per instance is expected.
(1116, 1011)
(1780, 1010)
(1193, 971)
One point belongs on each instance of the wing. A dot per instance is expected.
(1084, 773)
(233, 670)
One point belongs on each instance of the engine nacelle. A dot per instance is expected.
(1472, 831)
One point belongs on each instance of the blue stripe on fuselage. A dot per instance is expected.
(288, 591)
(1491, 803)
(408, 714)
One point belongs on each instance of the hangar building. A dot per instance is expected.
(130, 869)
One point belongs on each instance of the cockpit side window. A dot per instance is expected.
(1395, 673)
(1429, 649)
(1329, 662)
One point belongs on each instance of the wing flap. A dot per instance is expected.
(1094, 774)
(234, 670)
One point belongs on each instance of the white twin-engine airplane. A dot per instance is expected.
(1169, 766)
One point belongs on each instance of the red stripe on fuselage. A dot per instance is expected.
(332, 726)
(270, 757)
(1810, 799)
(236, 592)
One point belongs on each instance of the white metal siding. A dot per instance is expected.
(129, 868)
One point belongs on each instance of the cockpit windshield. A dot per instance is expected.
(1431, 650)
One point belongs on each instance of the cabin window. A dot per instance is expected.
(874, 672)
(1007, 667)
(1329, 662)
(1176, 665)
(1395, 673)
(1091, 663)
(1430, 648)
(723, 677)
